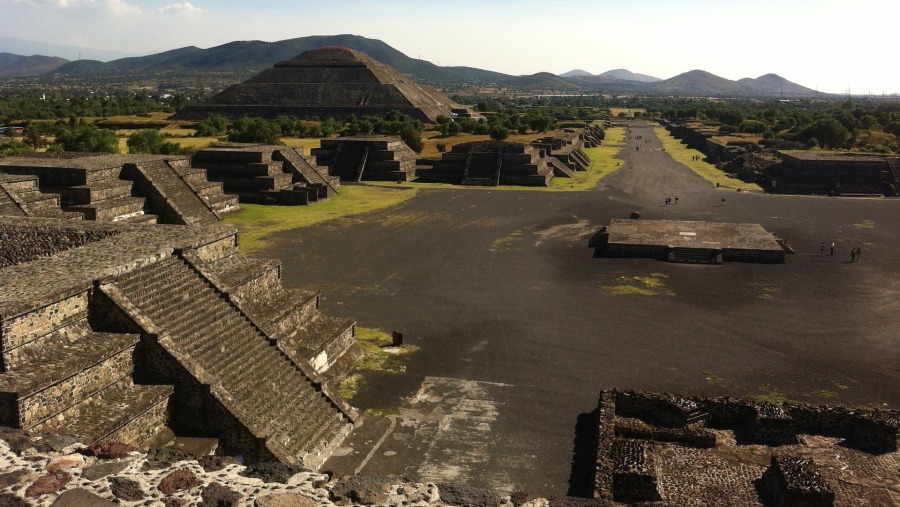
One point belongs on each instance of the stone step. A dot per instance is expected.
(140, 218)
(10, 208)
(180, 198)
(223, 203)
(122, 412)
(111, 210)
(57, 213)
(19, 182)
(695, 255)
(222, 340)
(35, 200)
(95, 192)
(65, 367)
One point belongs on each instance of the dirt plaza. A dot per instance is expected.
(520, 327)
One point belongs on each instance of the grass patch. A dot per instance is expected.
(602, 165)
(506, 243)
(713, 379)
(258, 221)
(381, 412)
(823, 393)
(379, 356)
(652, 285)
(307, 143)
(709, 172)
(865, 224)
(772, 396)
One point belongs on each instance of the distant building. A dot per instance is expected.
(806, 172)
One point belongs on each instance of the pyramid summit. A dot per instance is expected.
(329, 81)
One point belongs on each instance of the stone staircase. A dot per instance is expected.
(307, 171)
(101, 195)
(371, 158)
(169, 194)
(77, 381)
(211, 192)
(695, 255)
(291, 317)
(255, 381)
(20, 195)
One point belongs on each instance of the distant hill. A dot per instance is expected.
(627, 75)
(576, 73)
(29, 47)
(237, 61)
(700, 83)
(777, 86)
(23, 66)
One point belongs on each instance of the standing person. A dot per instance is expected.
(853, 255)
(723, 200)
(832, 248)
(858, 252)
(676, 199)
(822, 250)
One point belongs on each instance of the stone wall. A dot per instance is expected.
(21, 329)
(24, 244)
(35, 408)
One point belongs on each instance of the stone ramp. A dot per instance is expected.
(255, 381)
(174, 199)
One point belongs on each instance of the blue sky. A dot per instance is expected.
(829, 45)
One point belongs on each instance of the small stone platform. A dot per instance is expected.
(689, 241)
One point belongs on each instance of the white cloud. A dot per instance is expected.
(178, 8)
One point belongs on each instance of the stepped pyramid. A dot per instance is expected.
(329, 81)
(111, 188)
(115, 331)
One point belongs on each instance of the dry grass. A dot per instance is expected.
(258, 221)
(709, 172)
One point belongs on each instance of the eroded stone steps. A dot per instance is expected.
(121, 412)
(178, 194)
(220, 339)
(94, 193)
(61, 369)
(110, 209)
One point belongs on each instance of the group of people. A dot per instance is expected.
(854, 253)
(669, 200)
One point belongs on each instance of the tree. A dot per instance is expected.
(828, 132)
(255, 130)
(412, 138)
(151, 141)
(499, 132)
(88, 138)
(212, 125)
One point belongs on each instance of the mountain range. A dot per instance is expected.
(246, 58)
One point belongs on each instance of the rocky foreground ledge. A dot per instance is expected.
(54, 470)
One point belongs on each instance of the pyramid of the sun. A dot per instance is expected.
(329, 81)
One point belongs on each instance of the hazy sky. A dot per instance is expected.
(828, 45)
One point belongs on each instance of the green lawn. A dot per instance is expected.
(709, 172)
(257, 221)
